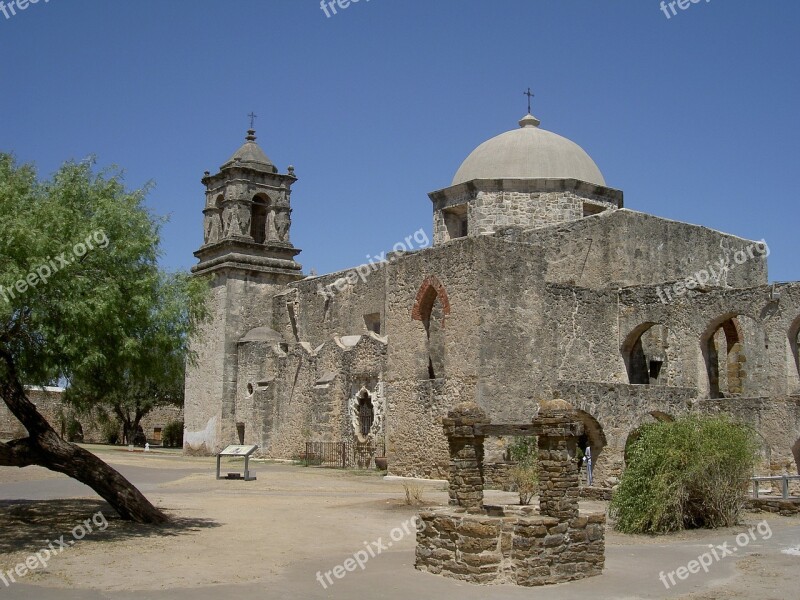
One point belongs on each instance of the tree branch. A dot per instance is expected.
(18, 453)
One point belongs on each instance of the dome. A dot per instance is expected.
(251, 155)
(529, 153)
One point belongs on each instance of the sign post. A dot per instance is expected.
(244, 451)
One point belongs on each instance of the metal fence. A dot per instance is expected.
(784, 479)
(342, 455)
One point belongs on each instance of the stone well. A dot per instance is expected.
(512, 544)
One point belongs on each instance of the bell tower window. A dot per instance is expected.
(258, 220)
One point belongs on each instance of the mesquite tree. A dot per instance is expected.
(80, 301)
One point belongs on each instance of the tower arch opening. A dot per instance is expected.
(258, 219)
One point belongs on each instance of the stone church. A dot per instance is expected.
(538, 284)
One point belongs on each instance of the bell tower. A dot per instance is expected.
(249, 258)
(247, 216)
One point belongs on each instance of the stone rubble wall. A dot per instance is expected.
(480, 544)
(785, 508)
(526, 550)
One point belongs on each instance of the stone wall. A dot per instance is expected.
(785, 508)
(527, 203)
(624, 248)
(48, 402)
(520, 549)
(497, 476)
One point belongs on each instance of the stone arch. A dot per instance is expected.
(259, 211)
(658, 416)
(645, 354)
(593, 437)
(430, 291)
(662, 416)
(723, 352)
(431, 307)
(796, 454)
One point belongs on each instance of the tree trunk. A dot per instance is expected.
(125, 421)
(45, 448)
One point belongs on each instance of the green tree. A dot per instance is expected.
(79, 301)
(151, 370)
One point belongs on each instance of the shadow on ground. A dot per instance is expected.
(29, 525)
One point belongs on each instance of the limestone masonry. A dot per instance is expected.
(511, 544)
(539, 284)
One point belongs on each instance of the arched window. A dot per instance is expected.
(366, 414)
(431, 307)
(258, 220)
(645, 354)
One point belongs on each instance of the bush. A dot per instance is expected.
(685, 474)
(525, 474)
(74, 431)
(414, 493)
(172, 437)
(111, 432)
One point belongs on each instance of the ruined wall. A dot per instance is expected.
(763, 319)
(776, 420)
(286, 398)
(49, 403)
(333, 305)
(416, 403)
(623, 248)
(619, 410)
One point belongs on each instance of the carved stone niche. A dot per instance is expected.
(375, 398)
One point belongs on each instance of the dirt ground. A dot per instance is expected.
(294, 521)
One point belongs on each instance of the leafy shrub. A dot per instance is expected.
(685, 474)
(74, 431)
(525, 473)
(172, 436)
(111, 432)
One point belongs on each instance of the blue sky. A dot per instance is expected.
(695, 117)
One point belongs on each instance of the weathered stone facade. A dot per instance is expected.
(528, 292)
